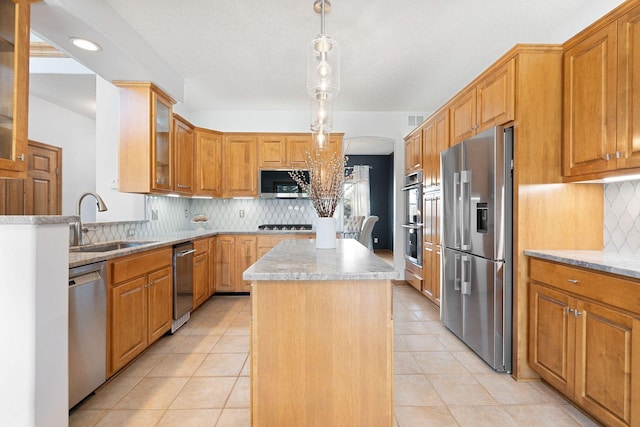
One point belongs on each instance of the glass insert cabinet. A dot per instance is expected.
(14, 86)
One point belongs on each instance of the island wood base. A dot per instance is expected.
(321, 353)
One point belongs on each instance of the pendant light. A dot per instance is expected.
(323, 79)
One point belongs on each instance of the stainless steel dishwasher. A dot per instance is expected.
(182, 284)
(87, 330)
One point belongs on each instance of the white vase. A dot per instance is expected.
(326, 233)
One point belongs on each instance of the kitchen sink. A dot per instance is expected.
(108, 246)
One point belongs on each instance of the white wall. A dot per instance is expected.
(76, 135)
(121, 206)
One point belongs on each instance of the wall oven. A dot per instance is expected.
(412, 224)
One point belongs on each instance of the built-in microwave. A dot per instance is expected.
(278, 184)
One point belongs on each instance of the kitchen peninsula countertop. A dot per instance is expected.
(298, 259)
(608, 262)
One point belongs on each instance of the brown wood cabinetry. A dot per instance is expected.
(435, 138)
(212, 266)
(201, 266)
(298, 146)
(584, 342)
(601, 97)
(413, 152)
(266, 242)
(234, 254)
(14, 87)
(208, 163)
(140, 307)
(413, 275)
(146, 154)
(432, 250)
(184, 151)
(283, 151)
(488, 102)
(240, 165)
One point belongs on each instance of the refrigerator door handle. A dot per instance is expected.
(466, 275)
(456, 210)
(465, 204)
(456, 273)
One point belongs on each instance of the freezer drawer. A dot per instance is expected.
(474, 306)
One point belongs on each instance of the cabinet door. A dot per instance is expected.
(161, 144)
(440, 143)
(436, 274)
(496, 97)
(184, 139)
(200, 279)
(606, 347)
(298, 147)
(225, 267)
(240, 168)
(160, 303)
(212, 267)
(629, 90)
(462, 116)
(208, 163)
(246, 254)
(14, 86)
(128, 321)
(551, 337)
(272, 152)
(413, 153)
(428, 152)
(428, 258)
(589, 125)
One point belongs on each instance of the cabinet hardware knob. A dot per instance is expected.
(20, 157)
(182, 186)
(619, 154)
(576, 313)
(568, 310)
(607, 156)
(574, 281)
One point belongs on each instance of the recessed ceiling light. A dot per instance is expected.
(85, 44)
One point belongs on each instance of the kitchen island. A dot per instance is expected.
(321, 336)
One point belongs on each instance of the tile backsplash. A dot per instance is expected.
(622, 217)
(175, 214)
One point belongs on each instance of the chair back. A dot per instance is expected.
(367, 229)
(352, 227)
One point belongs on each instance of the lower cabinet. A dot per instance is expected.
(234, 254)
(431, 259)
(266, 242)
(200, 272)
(413, 275)
(584, 338)
(140, 304)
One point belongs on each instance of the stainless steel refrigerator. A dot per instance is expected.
(477, 194)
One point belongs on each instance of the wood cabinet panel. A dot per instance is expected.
(208, 163)
(240, 166)
(272, 152)
(200, 272)
(298, 146)
(212, 266)
(413, 152)
(496, 97)
(136, 265)
(462, 113)
(162, 144)
(128, 322)
(590, 103)
(14, 88)
(246, 254)
(184, 141)
(225, 265)
(160, 303)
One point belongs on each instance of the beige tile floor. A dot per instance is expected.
(200, 377)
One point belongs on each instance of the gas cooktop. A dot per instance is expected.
(284, 227)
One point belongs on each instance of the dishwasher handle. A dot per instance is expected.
(186, 252)
(84, 279)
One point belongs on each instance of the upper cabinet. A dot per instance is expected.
(601, 99)
(413, 152)
(283, 151)
(184, 152)
(146, 151)
(14, 87)
(435, 138)
(208, 163)
(488, 102)
(240, 165)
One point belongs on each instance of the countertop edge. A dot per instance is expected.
(626, 265)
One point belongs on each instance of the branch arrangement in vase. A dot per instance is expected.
(325, 185)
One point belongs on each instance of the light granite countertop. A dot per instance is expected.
(608, 262)
(298, 259)
(36, 219)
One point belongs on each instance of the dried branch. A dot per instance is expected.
(325, 185)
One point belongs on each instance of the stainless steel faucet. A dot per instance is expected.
(78, 239)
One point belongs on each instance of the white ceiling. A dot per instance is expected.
(402, 55)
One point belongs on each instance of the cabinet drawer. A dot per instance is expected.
(610, 289)
(201, 246)
(413, 279)
(135, 265)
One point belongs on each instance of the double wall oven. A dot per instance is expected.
(413, 224)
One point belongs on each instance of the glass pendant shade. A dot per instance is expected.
(323, 66)
(322, 112)
(320, 139)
